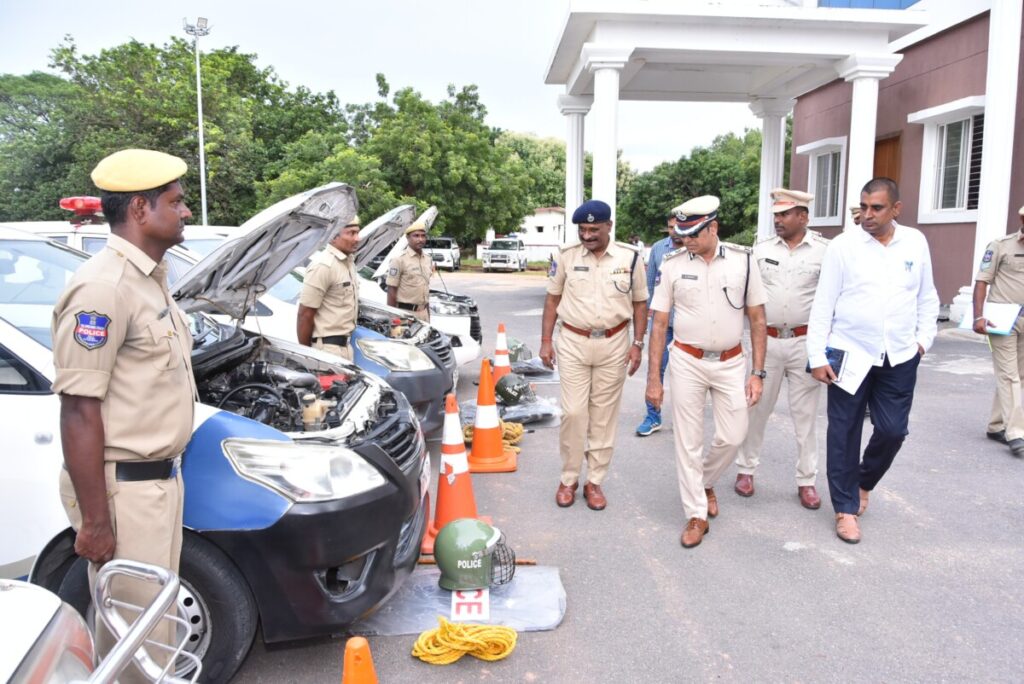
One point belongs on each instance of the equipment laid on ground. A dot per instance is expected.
(473, 555)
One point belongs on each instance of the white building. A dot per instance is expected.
(542, 232)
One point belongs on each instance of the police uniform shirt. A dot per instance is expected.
(410, 273)
(331, 287)
(790, 277)
(119, 337)
(708, 297)
(1002, 267)
(598, 293)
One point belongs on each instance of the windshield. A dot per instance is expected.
(510, 245)
(439, 243)
(203, 246)
(33, 273)
(288, 288)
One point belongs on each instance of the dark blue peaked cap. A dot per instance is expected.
(592, 211)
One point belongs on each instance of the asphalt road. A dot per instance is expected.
(934, 592)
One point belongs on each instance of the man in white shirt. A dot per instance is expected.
(876, 302)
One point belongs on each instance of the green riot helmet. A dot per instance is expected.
(517, 351)
(514, 389)
(472, 555)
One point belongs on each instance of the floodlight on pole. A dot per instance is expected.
(198, 30)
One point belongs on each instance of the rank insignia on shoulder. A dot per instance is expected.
(91, 329)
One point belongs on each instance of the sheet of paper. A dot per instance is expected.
(857, 366)
(1002, 316)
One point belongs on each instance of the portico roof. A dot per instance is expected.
(722, 52)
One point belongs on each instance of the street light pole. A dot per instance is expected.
(197, 30)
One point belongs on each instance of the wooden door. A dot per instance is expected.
(887, 158)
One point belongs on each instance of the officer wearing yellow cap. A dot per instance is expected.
(121, 351)
(709, 286)
(329, 303)
(1000, 279)
(408, 278)
(790, 264)
(595, 289)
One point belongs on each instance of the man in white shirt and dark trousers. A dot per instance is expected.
(876, 302)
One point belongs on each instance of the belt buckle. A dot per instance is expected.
(598, 333)
(786, 333)
(711, 356)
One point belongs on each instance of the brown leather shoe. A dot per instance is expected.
(744, 485)
(566, 495)
(712, 502)
(594, 496)
(863, 501)
(809, 497)
(847, 528)
(694, 532)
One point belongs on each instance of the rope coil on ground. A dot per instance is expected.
(452, 640)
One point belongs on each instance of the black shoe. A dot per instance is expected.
(1017, 447)
(999, 436)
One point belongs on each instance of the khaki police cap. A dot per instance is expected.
(137, 171)
(784, 200)
(417, 225)
(354, 222)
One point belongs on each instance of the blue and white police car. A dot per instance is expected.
(305, 478)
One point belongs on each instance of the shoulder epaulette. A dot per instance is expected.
(1015, 234)
(628, 246)
(737, 248)
(673, 254)
(815, 235)
(572, 246)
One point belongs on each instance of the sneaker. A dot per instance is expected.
(648, 426)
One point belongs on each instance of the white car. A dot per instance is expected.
(444, 252)
(506, 254)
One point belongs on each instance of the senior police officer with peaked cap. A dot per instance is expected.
(1000, 279)
(596, 288)
(121, 350)
(329, 303)
(709, 286)
(408, 278)
(790, 264)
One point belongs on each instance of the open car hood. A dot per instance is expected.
(269, 245)
(377, 236)
(427, 218)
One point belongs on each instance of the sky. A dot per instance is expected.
(502, 47)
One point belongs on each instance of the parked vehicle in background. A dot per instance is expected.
(505, 254)
(444, 252)
(305, 478)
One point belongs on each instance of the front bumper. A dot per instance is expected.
(322, 566)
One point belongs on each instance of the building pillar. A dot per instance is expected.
(772, 112)
(575, 110)
(606, 65)
(864, 72)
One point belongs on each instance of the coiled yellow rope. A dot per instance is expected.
(452, 640)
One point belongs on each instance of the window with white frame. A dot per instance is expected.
(951, 160)
(825, 179)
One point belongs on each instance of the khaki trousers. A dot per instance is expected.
(1008, 364)
(344, 352)
(147, 518)
(690, 381)
(592, 372)
(786, 358)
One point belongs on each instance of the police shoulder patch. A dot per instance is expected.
(393, 271)
(91, 329)
(986, 260)
(553, 269)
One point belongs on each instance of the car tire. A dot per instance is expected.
(458, 265)
(214, 597)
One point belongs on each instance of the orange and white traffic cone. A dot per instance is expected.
(488, 454)
(358, 667)
(454, 484)
(501, 364)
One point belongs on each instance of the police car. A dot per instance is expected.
(305, 479)
(424, 372)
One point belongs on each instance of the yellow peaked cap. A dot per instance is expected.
(137, 170)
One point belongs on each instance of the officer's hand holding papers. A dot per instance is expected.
(997, 319)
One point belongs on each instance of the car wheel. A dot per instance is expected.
(458, 264)
(213, 598)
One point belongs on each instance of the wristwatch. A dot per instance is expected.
(760, 373)
(638, 343)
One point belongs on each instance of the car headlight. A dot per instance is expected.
(395, 355)
(307, 472)
(448, 308)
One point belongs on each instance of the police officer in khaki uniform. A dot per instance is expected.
(1000, 278)
(596, 288)
(789, 264)
(121, 350)
(408, 278)
(709, 286)
(329, 303)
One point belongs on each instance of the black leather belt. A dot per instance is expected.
(139, 471)
(409, 307)
(340, 340)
